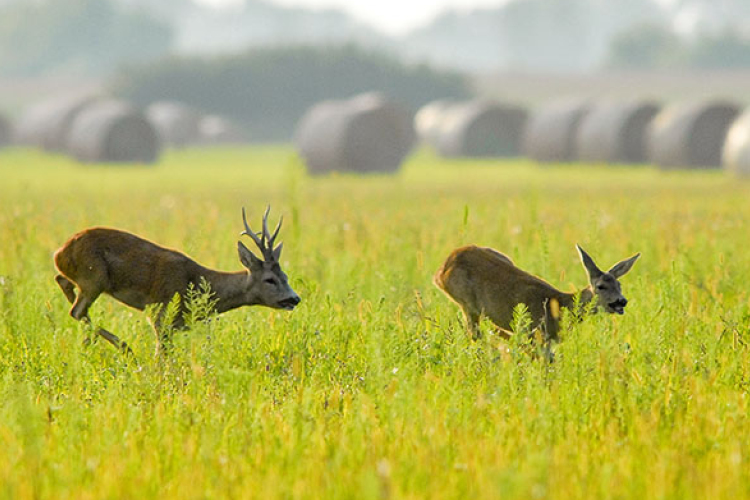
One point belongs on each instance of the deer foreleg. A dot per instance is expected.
(472, 323)
(113, 339)
(80, 311)
(550, 327)
(551, 322)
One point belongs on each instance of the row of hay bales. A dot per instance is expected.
(98, 129)
(608, 132)
(91, 129)
(695, 135)
(180, 125)
(370, 133)
(690, 135)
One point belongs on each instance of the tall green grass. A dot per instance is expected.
(371, 388)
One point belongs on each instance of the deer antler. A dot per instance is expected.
(266, 241)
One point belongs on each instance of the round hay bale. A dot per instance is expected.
(215, 129)
(398, 117)
(367, 133)
(114, 132)
(481, 129)
(6, 131)
(736, 153)
(616, 132)
(177, 124)
(690, 135)
(428, 121)
(47, 123)
(551, 131)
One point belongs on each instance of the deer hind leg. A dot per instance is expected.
(503, 333)
(473, 318)
(67, 286)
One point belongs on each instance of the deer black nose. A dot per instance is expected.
(289, 303)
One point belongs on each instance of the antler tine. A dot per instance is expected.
(275, 233)
(250, 232)
(265, 235)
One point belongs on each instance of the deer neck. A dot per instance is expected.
(583, 297)
(228, 289)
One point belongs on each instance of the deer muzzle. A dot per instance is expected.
(290, 303)
(618, 306)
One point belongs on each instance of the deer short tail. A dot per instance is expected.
(440, 279)
(437, 279)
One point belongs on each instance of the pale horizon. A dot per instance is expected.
(394, 17)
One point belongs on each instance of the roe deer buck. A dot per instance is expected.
(139, 273)
(485, 282)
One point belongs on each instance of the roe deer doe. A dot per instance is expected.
(140, 273)
(485, 282)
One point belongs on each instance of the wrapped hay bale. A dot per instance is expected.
(736, 153)
(616, 132)
(367, 133)
(177, 124)
(47, 123)
(429, 120)
(481, 129)
(115, 132)
(690, 135)
(320, 136)
(551, 132)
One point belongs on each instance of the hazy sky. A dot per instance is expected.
(391, 16)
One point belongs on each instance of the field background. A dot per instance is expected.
(371, 389)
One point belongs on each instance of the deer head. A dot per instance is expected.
(268, 285)
(605, 286)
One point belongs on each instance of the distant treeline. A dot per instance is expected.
(76, 37)
(652, 46)
(268, 90)
(92, 38)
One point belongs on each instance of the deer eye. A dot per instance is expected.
(600, 287)
(270, 281)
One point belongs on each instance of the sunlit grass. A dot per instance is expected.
(371, 388)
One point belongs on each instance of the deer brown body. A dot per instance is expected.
(485, 282)
(140, 273)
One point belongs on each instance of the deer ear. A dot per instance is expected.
(248, 258)
(624, 266)
(593, 271)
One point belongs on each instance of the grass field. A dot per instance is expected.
(371, 389)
